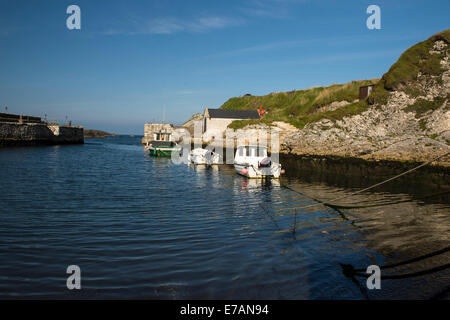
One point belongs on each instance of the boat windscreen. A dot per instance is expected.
(262, 152)
(162, 143)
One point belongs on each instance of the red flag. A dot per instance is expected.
(261, 111)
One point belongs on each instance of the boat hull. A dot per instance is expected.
(162, 151)
(199, 157)
(250, 171)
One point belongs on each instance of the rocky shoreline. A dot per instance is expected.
(94, 134)
(368, 169)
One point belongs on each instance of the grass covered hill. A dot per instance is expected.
(300, 107)
(420, 59)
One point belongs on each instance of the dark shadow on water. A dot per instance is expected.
(442, 295)
(357, 174)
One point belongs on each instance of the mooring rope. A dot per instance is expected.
(426, 256)
(386, 203)
(329, 202)
(393, 178)
(348, 271)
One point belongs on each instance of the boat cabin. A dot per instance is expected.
(162, 135)
(251, 151)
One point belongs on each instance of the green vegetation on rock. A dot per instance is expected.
(434, 136)
(421, 106)
(300, 107)
(403, 73)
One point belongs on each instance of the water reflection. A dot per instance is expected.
(143, 227)
(256, 185)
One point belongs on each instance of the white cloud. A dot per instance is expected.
(330, 41)
(189, 92)
(265, 47)
(309, 60)
(172, 25)
(250, 9)
(162, 26)
(269, 8)
(202, 24)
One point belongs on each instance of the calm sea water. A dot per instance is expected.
(141, 227)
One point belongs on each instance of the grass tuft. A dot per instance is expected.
(421, 106)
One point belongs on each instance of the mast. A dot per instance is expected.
(164, 114)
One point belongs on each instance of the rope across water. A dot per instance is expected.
(329, 203)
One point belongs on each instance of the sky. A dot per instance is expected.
(134, 62)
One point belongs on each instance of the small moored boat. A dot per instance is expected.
(162, 145)
(253, 162)
(161, 148)
(200, 156)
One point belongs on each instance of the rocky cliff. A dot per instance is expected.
(408, 117)
(405, 118)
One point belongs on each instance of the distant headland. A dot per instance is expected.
(94, 134)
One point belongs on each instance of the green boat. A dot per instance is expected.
(162, 146)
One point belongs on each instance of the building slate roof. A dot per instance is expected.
(233, 114)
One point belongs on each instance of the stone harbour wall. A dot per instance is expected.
(14, 134)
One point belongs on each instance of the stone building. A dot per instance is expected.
(219, 119)
(157, 131)
(365, 91)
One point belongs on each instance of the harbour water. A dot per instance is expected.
(141, 227)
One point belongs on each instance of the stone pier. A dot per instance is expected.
(17, 134)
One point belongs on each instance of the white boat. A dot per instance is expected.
(253, 162)
(203, 156)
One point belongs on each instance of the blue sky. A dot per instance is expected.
(131, 59)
